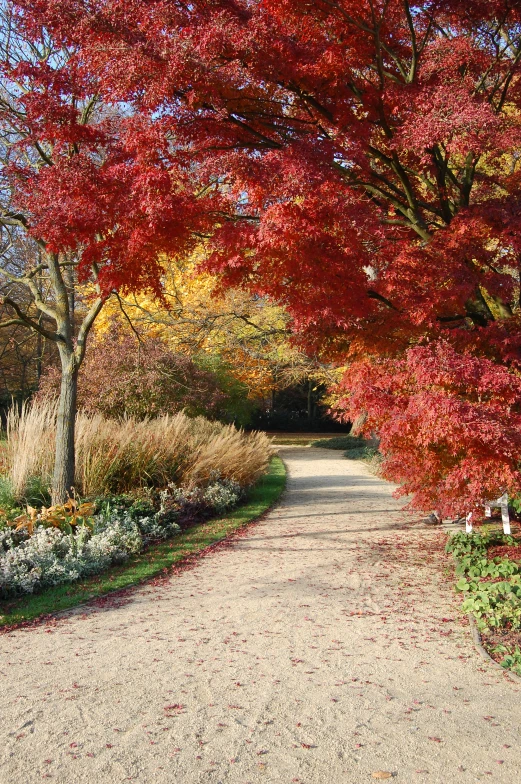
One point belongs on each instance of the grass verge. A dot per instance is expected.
(296, 439)
(153, 561)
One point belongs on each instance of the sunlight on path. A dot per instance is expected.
(323, 646)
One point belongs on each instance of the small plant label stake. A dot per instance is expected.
(468, 523)
(502, 503)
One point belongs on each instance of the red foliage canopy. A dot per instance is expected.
(449, 423)
(368, 151)
(86, 173)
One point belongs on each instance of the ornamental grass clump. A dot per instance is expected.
(119, 456)
(29, 452)
(232, 454)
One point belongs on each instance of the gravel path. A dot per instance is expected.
(323, 646)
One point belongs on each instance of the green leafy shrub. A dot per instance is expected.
(362, 453)
(354, 447)
(475, 544)
(491, 586)
(512, 661)
(495, 605)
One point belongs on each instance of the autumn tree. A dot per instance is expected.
(122, 376)
(248, 336)
(23, 352)
(370, 151)
(93, 190)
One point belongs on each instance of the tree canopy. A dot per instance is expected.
(363, 162)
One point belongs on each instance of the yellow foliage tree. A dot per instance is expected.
(251, 336)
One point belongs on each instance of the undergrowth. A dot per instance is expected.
(347, 442)
(491, 590)
(156, 560)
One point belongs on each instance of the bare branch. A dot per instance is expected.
(27, 321)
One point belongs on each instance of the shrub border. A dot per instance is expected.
(474, 630)
(155, 560)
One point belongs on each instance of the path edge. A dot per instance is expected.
(476, 638)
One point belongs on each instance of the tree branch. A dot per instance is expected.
(28, 322)
(375, 295)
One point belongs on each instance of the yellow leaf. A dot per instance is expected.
(70, 506)
(54, 520)
(23, 521)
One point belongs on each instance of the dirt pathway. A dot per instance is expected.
(323, 646)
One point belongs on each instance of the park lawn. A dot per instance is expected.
(153, 561)
(297, 439)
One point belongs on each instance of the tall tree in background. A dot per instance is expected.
(92, 191)
(370, 151)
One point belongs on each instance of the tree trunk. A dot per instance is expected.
(310, 400)
(64, 467)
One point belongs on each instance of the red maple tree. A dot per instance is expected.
(369, 151)
(97, 190)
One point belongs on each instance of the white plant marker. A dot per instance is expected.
(502, 503)
(505, 517)
(468, 523)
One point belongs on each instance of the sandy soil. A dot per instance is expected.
(322, 647)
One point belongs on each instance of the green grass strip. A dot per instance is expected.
(154, 560)
(340, 442)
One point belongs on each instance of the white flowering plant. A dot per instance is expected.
(38, 555)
